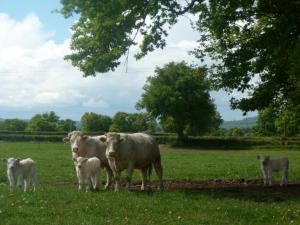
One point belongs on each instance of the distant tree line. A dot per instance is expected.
(90, 122)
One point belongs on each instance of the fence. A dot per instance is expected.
(199, 141)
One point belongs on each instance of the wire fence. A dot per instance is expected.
(206, 142)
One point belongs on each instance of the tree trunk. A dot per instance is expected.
(180, 136)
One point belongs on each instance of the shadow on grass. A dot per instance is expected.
(256, 194)
(245, 190)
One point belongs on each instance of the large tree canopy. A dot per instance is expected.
(107, 28)
(255, 44)
(180, 93)
(256, 47)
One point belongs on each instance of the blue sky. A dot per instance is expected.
(45, 10)
(35, 78)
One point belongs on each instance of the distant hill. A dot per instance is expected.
(244, 123)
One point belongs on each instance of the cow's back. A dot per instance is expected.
(140, 147)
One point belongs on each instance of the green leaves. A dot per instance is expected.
(107, 28)
(179, 95)
(92, 122)
(254, 44)
(133, 122)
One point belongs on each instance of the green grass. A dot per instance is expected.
(57, 200)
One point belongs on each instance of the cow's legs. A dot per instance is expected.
(25, 185)
(270, 178)
(80, 184)
(144, 178)
(159, 171)
(117, 180)
(11, 184)
(87, 183)
(94, 179)
(109, 176)
(265, 178)
(284, 179)
(129, 175)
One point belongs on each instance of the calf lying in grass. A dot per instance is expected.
(19, 172)
(269, 166)
(87, 172)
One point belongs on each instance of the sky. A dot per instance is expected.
(34, 77)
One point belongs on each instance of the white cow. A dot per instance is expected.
(87, 170)
(86, 146)
(130, 151)
(268, 166)
(19, 172)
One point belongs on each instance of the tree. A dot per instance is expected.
(107, 28)
(246, 39)
(168, 124)
(180, 93)
(92, 122)
(265, 125)
(235, 132)
(120, 123)
(253, 41)
(13, 125)
(142, 122)
(133, 122)
(288, 122)
(66, 125)
(43, 122)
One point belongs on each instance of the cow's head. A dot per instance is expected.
(80, 161)
(12, 163)
(113, 141)
(77, 140)
(264, 160)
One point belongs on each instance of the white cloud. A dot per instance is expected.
(35, 77)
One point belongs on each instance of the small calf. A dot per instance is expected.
(19, 172)
(268, 166)
(87, 172)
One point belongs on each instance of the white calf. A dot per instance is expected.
(268, 166)
(87, 170)
(20, 171)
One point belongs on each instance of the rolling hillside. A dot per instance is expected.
(244, 123)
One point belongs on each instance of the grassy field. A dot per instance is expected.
(57, 200)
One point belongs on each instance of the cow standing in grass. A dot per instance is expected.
(20, 173)
(132, 151)
(86, 146)
(87, 170)
(268, 166)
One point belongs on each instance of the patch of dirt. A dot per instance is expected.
(239, 188)
(215, 184)
(236, 188)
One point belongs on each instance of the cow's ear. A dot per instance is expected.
(66, 140)
(121, 139)
(85, 159)
(103, 139)
(84, 137)
(258, 157)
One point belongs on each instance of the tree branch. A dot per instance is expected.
(186, 9)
